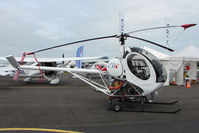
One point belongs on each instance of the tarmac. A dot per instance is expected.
(72, 106)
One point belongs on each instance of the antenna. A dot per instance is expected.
(167, 31)
(122, 37)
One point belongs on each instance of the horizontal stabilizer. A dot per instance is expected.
(11, 59)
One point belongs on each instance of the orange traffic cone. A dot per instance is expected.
(188, 84)
(174, 80)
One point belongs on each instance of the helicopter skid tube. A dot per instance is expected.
(121, 103)
(163, 103)
(155, 111)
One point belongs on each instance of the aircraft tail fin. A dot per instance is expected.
(11, 59)
(79, 54)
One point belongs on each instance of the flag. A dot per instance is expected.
(79, 54)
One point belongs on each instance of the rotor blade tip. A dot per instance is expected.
(185, 26)
(172, 50)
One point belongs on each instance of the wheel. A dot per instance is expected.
(116, 107)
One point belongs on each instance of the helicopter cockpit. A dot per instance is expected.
(140, 69)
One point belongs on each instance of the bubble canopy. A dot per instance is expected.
(139, 67)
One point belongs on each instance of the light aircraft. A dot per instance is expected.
(131, 78)
(51, 76)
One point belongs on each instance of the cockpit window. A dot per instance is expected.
(157, 65)
(138, 66)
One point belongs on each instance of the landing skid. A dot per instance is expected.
(154, 111)
(162, 103)
(120, 104)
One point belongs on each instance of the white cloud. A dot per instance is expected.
(36, 24)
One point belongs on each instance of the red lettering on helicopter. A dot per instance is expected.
(113, 65)
(99, 67)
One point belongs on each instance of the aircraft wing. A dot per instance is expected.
(15, 64)
(58, 59)
(4, 74)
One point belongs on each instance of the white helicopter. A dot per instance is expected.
(51, 76)
(129, 78)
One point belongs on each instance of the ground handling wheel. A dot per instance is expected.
(116, 107)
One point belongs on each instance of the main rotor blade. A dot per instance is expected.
(86, 40)
(150, 42)
(185, 26)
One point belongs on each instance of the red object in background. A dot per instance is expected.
(187, 68)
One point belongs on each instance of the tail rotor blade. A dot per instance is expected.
(16, 75)
(22, 58)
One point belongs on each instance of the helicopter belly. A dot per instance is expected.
(149, 89)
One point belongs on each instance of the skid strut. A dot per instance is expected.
(118, 103)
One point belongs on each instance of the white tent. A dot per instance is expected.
(187, 57)
(176, 63)
(190, 53)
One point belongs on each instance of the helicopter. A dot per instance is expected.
(126, 79)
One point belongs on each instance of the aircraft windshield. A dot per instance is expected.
(157, 65)
(138, 67)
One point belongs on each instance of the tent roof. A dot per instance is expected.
(190, 53)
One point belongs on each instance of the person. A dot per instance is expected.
(186, 78)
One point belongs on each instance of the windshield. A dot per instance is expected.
(138, 66)
(157, 65)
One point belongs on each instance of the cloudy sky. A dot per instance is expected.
(30, 25)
